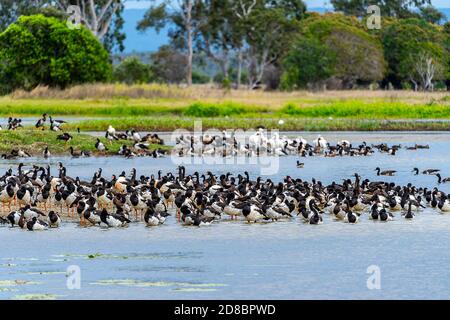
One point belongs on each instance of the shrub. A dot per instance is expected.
(308, 61)
(132, 71)
(337, 45)
(213, 110)
(39, 50)
(200, 78)
(404, 41)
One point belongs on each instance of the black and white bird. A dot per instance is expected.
(41, 122)
(55, 125)
(66, 137)
(53, 219)
(113, 220)
(442, 180)
(46, 153)
(14, 218)
(36, 225)
(100, 146)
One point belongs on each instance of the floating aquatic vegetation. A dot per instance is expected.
(145, 256)
(45, 272)
(20, 259)
(58, 260)
(35, 296)
(161, 269)
(8, 265)
(193, 290)
(138, 283)
(13, 283)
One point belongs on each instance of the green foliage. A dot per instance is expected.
(200, 78)
(432, 15)
(132, 71)
(168, 65)
(361, 109)
(308, 61)
(350, 54)
(155, 17)
(11, 10)
(446, 33)
(213, 110)
(38, 50)
(226, 84)
(404, 40)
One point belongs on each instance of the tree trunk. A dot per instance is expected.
(188, 21)
(239, 72)
(189, 59)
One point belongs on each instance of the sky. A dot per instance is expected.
(310, 3)
(151, 41)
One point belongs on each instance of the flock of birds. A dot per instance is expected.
(225, 145)
(43, 201)
(140, 147)
(37, 200)
(260, 143)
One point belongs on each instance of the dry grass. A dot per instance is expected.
(179, 95)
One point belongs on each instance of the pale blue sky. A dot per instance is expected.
(310, 3)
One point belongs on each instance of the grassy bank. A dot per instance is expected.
(171, 123)
(35, 141)
(166, 108)
(202, 101)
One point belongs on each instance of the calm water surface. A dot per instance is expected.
(233, 260)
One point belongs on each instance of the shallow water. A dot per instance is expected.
(233, 260)
(31, 121)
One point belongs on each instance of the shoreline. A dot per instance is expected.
(34, 141)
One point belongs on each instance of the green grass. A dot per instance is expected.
(360, 109)
(35, 141)
(118, 108)
(204, 110)
(170, 123)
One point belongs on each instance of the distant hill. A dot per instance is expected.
(138, 41)
(151, 41)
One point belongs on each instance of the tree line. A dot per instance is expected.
(252, 43)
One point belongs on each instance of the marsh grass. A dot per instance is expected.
(157, 107)
(361, 109)
(134, 108)
(171, 123)
(35, 141)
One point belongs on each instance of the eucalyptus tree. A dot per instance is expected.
(184, 16)
(222, 34)
(10, 10)
(269, 27)
(96, 15)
